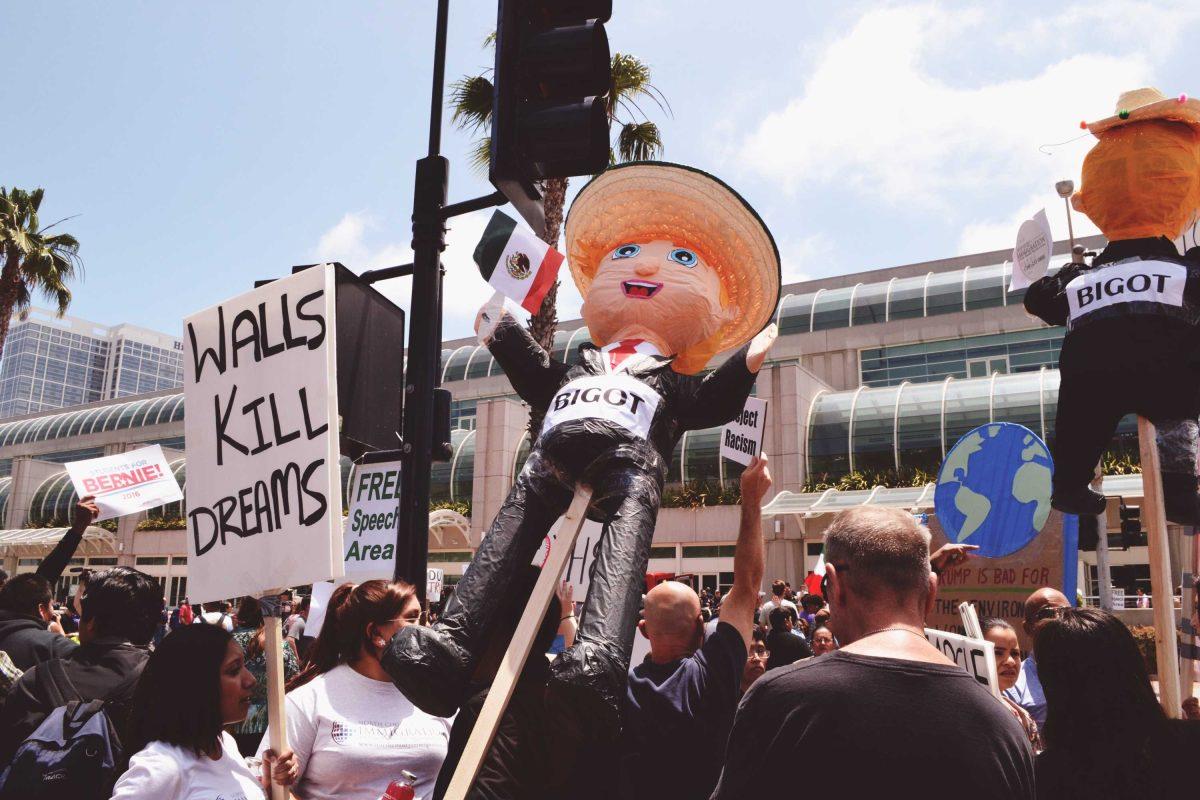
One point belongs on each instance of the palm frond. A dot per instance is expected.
(489, 41)
(630, 80)
(471, 99)
(639, 141)
(481, 154)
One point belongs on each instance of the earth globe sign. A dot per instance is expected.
(993, 489)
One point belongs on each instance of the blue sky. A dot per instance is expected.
(207, 145)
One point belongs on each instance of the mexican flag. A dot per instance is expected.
(516, 263)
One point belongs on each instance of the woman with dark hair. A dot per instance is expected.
(181, 750)
(1106, 735)
(250, 635)
(1008, 668)
(352, 730)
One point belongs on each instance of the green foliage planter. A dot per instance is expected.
(699, 495)
(1144, 636)
(461, 506)
(160, 524)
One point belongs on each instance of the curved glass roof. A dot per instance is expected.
(912, 425)
(5, 491)
(117, 416)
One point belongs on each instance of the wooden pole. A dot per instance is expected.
(518, 650)
(277, 724)
(1155, 519)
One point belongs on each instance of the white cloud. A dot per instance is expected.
(1001, 232)
(807, 257)
(873, 117)
(355, 241)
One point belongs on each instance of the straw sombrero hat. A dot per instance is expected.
(1139, 105)
(646, 200)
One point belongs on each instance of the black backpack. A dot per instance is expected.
(75, 753)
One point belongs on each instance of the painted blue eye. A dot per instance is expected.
(682, 256)
(626, 251)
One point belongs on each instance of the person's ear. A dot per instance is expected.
(642, 628)
(931, 598)
(1077, 202)
(836, 588)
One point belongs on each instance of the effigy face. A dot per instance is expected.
(656, 290)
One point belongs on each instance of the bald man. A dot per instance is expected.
(680, 701)
(1027, 691)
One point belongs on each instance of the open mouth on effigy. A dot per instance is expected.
(640, 289)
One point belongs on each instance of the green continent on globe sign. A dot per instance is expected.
(1030, 481)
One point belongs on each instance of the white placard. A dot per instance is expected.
(369, 537)
(260, 389)
(579, 568)
(741, 439)
(435, 579)
(1031, 256)
(970, 618)
(318, 604)
(126, 483)
(976, 656)
(616, 398)
(1133, 281)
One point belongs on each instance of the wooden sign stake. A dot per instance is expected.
(518, 650)
(1155, 519)
(273, 652)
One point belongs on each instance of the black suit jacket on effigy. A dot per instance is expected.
(688, 402)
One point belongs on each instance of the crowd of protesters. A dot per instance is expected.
(738, 691)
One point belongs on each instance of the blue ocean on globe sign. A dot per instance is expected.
(993, 489)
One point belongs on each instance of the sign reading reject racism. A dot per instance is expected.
(264, 496)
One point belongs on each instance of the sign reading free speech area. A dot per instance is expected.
(741, 439)
(127, 482)
(260, 392)
(369, 538)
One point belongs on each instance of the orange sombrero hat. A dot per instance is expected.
(647, 200)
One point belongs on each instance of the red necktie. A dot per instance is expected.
(624, 349)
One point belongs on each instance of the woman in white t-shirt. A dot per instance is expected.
(194, 684)
(352, 730)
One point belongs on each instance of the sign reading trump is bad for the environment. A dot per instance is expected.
(260, 391)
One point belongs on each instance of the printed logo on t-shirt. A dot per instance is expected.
(617, 398)
(410, 733)
(1126, 282)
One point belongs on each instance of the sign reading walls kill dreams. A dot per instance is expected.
(741, 439)
(369, 538)
(260, 392)
(127, 482)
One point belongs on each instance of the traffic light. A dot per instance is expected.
(549, 112)
(1131, 526)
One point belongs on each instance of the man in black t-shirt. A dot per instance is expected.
(892, 716)
(680, 701)
(785, 646)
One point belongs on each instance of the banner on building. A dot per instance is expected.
(260, 392)
(742, 438)
(127, 482)
(369, 538)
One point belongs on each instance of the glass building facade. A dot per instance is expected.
(50, 363)
(970, 357)
(912, 425)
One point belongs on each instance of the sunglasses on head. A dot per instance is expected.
(1048, 612)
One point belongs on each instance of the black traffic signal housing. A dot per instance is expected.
(1131, 526)
(549, 112)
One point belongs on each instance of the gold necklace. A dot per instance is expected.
(892, 628)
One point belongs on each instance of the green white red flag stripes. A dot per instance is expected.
(516, 263)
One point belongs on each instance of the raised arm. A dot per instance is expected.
(739, 606)
(52, 566)
(1046, 298)
(531, 371)
(722, 393)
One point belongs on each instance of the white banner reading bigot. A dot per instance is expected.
(127, 482)
(370, 534)
(976, 656)
(741, 439)
(260, 392)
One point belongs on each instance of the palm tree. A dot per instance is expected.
(637, 139)
(32, 260)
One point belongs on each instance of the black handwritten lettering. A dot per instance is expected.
(248, 318)
(224, 438)
(217, 356)
(313, 341)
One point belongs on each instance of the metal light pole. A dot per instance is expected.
(423, 376)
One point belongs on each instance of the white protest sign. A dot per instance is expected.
(318, 604)
(1031, 256)
(579, 567)
(741, 439)
(260, 390)
(976, 656)
(435, 579)
(370, 534)
(126, 483)
(970, 620)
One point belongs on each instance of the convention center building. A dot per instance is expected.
(875, 375)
